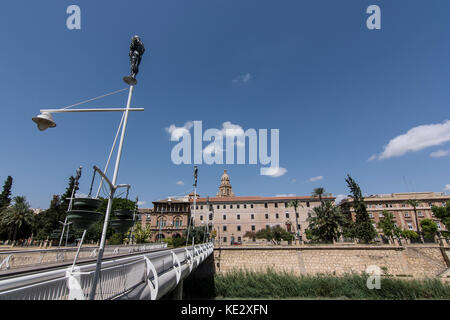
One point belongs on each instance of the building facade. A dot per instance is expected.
(396, 203)
(168, 219)
(232, 216)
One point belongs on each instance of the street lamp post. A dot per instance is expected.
(45, 121)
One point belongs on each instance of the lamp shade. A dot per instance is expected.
(44, 121)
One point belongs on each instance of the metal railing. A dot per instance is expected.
(146, 276)
(31, 258)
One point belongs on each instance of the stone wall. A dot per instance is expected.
(413, 260)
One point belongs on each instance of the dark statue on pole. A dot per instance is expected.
(136, 51)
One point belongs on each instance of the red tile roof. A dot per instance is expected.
(258, 199)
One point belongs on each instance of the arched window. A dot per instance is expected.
(161, 222)
(177, 222)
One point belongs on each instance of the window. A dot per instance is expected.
(218, 207)
(161, 223)
(285, 204)
(237, 206)
(369, 206)
(224, 228)
(307, 204)
(224, 206)
(245, 206)
(210, 216)
(438, 225)
(251, 206)
(267, 216)
(238, 228)
(238, 217)
(403, 205)
(298, 216)
(419, 213)
(265, 205)
(276, 215)
(224, 217)
(406, 214)
(196, 207)
(430, 204)
(380, 215)
(239, 239)
(410, 227)
(224, 239)
(370, 215)
(299, 227)
(201, 207)
(267, 226)
(287, 215)
(231, 206)
(276, 204)
(252, 216)
(177, 223)
(201, 217)
(253, 228)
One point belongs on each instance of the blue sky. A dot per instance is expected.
(338, 92)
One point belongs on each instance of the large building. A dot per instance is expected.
(229, 215)
(396, 203)
(232, 216)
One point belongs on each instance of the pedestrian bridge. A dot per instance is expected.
(147, 276)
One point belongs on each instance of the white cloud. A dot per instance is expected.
(447, 187)
(285, 195)
(339, 198)
(275, 172)
(180, 183)
(372, 157)
(177, 132)
(416, 139)
(316, 178)
(228, 129)
(440, 153)
(242, 78)
(293, 180)
(141, 203)
(213, 147)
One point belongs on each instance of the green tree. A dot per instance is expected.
(274, 234)
(296, 203)
(319, 192)
(142, 235)
(387, 224)
(409, 234)
(198, 233)
(19, 215)
(5, 196)
(415, 203)
(326, 222)
(250, 235)
(443, 214)
(362, 228)
(429, 228)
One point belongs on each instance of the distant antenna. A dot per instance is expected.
(406, 185)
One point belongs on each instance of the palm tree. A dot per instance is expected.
(415, 203)
(326, 222)
(296, 203)
(18, 215)
(318, 192)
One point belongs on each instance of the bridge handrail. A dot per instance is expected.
(25, 255)
(119, 276)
